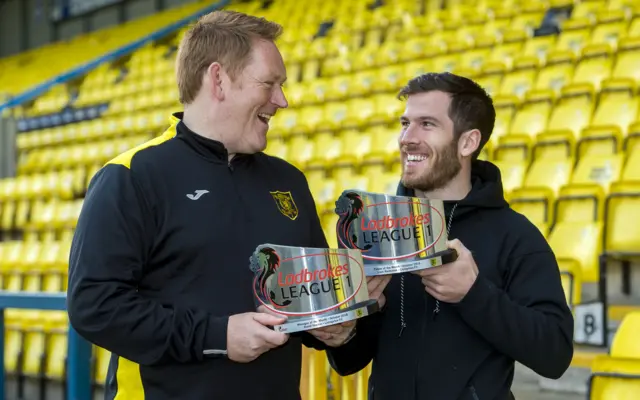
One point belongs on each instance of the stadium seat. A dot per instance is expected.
(623, 205)
(617, 109)
(533, 115)
(512, 172)
(594, 66)
(627, 59)
(535, 204)
(573, 110)
(617, 375)
(598, 169)
(548, 173)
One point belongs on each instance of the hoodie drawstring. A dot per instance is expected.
(436, 310)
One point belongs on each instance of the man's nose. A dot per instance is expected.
(408, 136)
(279, 98)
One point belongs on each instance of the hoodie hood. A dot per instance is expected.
(486, 190)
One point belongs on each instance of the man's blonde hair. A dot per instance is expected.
(220, 36)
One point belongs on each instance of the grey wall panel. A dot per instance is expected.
(71, 28)
(20, 32)
(139, 8)
(39, 26)
(105, 18)
(11, 31)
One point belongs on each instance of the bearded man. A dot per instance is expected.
(456, 331)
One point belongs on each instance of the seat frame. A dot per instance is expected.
(608, 375)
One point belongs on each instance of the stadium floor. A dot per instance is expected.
(522, 392)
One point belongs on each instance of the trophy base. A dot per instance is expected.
(354, 312)
(398, 267)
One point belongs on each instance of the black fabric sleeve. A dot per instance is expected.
(356, 354)
(107, 261)
(530, 320)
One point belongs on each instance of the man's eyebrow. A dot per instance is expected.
(422, 119)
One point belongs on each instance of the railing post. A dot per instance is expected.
(78, 349)
(79, 360)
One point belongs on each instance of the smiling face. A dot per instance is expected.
(428, 148)
(253, 98)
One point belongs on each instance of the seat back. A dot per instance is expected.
(622, 207)
(550, 174)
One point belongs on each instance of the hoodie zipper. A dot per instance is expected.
(436, 309)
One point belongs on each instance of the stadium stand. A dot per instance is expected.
(564, 79)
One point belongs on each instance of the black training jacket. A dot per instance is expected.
(160, 259)
(515, 311)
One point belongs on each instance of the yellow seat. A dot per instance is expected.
(631, 170)
(387, 109)
(539, 47)
(574, 36)
(55, 327)
(579, 241)
(103, 357)
(533, 115)
(490, 82)
(13, 340)
(311, 118)
(556, 73)
(611, 27)
(598, 169)
(384, 145)
(549, 174)
(300, 150)
(623, 206)
(326, 148)
(571, 279)
(520, 80)
(535, 204)
(34, 343)
(355, 146)
(627, 60)
(572, 113)
(512, 148)
(504, 117)
(512, 174)
(616, 110)
(277, 147)
(595, 65)
(617, 376)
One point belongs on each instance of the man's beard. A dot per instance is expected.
(446, 167)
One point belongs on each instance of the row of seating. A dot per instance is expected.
(79, 153)
(50, 217)
(25, 70)
(36, 346)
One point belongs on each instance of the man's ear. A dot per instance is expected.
(214, 78)
(469, 142)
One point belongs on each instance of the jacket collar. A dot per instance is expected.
(212, 150)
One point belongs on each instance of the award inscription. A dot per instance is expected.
(394, 233)
(313, 287)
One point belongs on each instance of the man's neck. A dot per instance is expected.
(198, 121)
(456, 189)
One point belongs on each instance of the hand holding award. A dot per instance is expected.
(451, 282)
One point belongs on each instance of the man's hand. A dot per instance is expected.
(451, 282)
(249, 335)
(376, 286)
(334, 335)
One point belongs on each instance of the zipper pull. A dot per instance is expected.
(436, 311)
(401, 329)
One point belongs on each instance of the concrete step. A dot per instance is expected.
(574, 381)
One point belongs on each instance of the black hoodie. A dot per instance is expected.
(515, 311)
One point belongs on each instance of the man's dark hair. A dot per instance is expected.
(471, 106)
